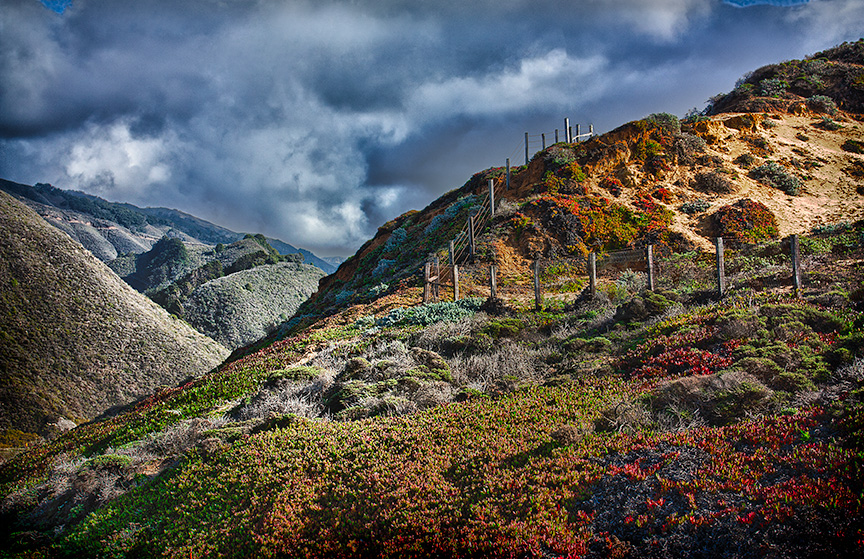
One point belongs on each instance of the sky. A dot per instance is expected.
(317, 121)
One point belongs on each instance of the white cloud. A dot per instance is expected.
(551, 80)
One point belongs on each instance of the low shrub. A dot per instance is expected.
(827, 123)
(822, 104)
(853, 146)
(775, 175)
(746, 221)
(694, 207)
(715, 182)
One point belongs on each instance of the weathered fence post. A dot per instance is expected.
(491, 198)
(436, 287)
(526, 148)
(556, 135)
(568, 133)
(471, 236)
(507, 187)
(452, 254)
(493, 284)
(426, 286)
(538, 299)
(649, 258)
(591, 130)
(592, 274)
(543, 140)
(721, 268)
(578, 131)
(455, 282)
(796, 264)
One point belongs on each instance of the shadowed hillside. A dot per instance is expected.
(76, 339)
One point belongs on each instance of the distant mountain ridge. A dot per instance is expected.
(109, 229)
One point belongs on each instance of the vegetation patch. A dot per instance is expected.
(746, 221)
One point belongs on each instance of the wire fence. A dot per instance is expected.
(616, 273)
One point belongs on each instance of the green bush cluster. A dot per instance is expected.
(425, 315)
(775, 175)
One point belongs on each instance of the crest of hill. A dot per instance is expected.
(76, 340)
(785, 146)
(110, 229)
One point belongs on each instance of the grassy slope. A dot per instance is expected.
(77, 340)
(537, 469)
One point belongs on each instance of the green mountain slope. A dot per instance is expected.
(76, 339)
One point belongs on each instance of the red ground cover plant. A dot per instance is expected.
(746, 221)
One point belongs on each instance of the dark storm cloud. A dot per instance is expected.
(317, 121)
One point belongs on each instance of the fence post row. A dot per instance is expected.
(721, 268)
(796, 264)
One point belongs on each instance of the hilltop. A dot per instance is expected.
(624, 423)
(76, 339)
(790, 148)
(111, 229)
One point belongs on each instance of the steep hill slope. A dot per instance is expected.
(234, 293)
(659, 180)
(76, 339)
(109, 229)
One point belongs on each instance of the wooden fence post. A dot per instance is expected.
(538, 299)
(471, 236)
(592, 274)
(556, 135)
(436, 287)
(491, 197)
(568, 131)
(578, 131)
(796, 264)
(507, 187)
(591, 130)
(455, 283)
(721, 268)
(649, 257)
(543, 140)
(426, 286)
(526, 148)
(493, 284)
(452, 254)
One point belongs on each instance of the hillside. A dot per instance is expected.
(76, 339)
(234, 293)
(659, 180)
(109, 229)
(629, 422)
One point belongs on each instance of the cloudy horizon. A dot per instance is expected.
(316, 122)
